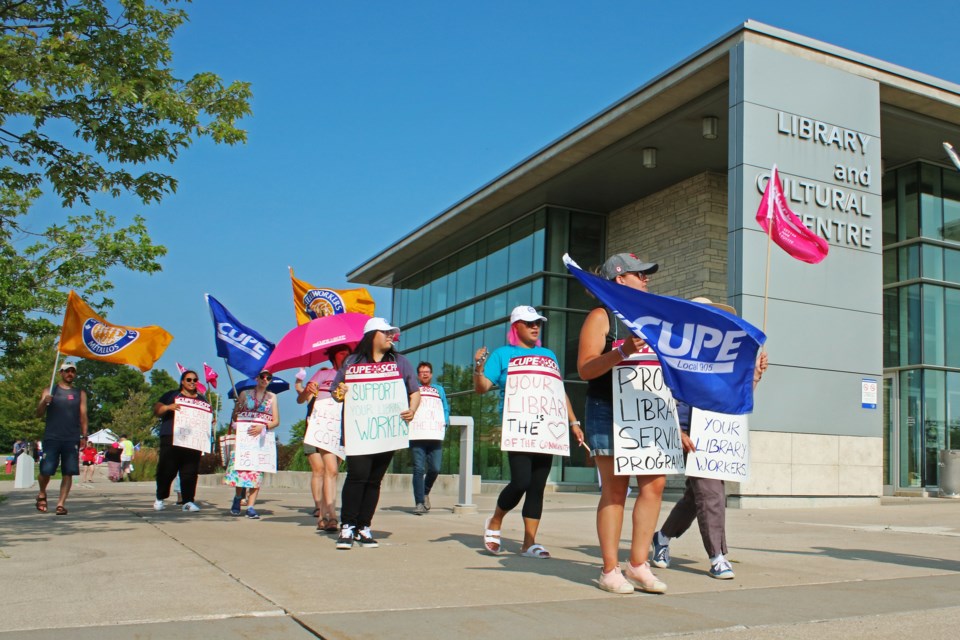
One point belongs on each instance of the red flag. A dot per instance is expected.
(210, 375)
(181, 369)
(785, 228)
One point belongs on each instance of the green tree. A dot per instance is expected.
(89, 104)
(135, 418)
(108, 387)
(20, 390)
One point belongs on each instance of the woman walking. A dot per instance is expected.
(528, 471)
(263, 401)
(361, 488)
(599, 352)
(173, 459)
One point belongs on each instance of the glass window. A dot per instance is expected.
(587, 235)
(951, 318)
(890, 209)
(466, 274)
(933, 330)
(890, 267)
(910, 421)
(520, 253)
(908, 219)
(891, 328)
(911, 328)
(953, 410)
(932, 262)
(497, 260)
(909, 262)
(931, 206)
(951, 206)
(934, 423)
(951, 265)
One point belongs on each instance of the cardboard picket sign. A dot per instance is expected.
(324, 426)
(376, 394)
(723, 446)
(646, 433)
(429, 423)
(193, 424)
(535, 418)
(254, 453)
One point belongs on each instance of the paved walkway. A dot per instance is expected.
(114, 568)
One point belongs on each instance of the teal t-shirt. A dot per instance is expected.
(495, 370)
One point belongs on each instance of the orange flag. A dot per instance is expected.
(87, 335)
(312, 302)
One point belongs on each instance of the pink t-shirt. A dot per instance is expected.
(323, 378)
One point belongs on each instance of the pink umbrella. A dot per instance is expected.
(307, 344)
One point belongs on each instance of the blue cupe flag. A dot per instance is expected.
(707, 355)
(243, 348)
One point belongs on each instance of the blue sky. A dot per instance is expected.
(371, 118)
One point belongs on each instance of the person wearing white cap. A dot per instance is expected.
(528, 471)
(704, 499)
(361, 487)
(599, 352)
(64, 408)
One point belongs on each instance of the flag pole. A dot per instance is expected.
(771, 187)
(53, 374)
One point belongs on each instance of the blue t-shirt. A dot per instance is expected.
(495, 370)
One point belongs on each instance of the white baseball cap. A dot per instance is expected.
(525, 313)
(68, 365)
(378, 324)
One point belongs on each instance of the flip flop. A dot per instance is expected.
(491, 538)
(536, 551)
(61, 510)
(42, 503)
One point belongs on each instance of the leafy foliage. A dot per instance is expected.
(89, 104)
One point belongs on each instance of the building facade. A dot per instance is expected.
(863, 386)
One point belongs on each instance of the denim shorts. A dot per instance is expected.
(598, 427)
(58, 453)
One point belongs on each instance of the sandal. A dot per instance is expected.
(491, 538)
(536, 551)
(316, 513)
(61, 510)
(332, 525)
(322, 524)
(42, 503)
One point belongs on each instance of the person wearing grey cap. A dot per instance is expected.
(600, 350)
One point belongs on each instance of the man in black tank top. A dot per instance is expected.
(65, 410)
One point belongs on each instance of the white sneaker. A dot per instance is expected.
(158, 505)
(190, 506)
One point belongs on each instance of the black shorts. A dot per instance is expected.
(87, 464)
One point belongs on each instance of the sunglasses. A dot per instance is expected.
(265, 376)
(532, 323)
(190, 379)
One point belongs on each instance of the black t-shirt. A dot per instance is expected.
(166, 420)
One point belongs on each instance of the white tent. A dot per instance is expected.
(104, 436)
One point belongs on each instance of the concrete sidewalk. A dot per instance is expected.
(114, 568)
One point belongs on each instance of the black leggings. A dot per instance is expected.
(361, 488)
(174, 460)
(528, 475)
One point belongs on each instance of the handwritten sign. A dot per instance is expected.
(255, 453)
(323, 426)
(723, 448)
(429, 422)
(646, 434)
(376, 395)
(535, 408)
(193, 424)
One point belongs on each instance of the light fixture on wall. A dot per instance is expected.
(649, 157)
(710, 127)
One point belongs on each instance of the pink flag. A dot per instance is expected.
(785, 228)
(180, 368)
(210, 375)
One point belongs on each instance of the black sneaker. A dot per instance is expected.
(345, 539)
(365, 539)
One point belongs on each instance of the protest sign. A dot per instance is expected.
(193, 424)
(646, 434)
(535, 416)
(723, 449)
(255, 453)
(323, 426)
(429, 423)
(375, 397)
